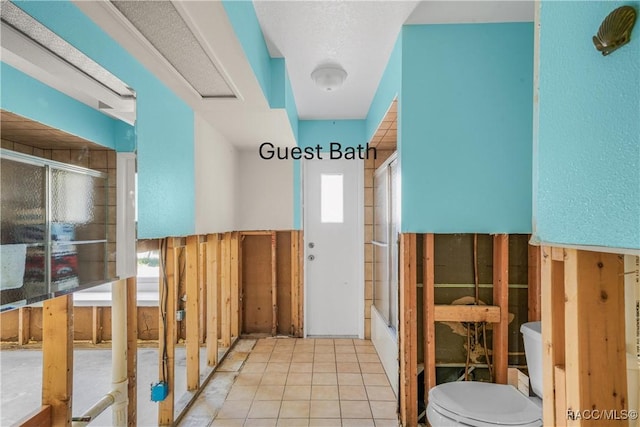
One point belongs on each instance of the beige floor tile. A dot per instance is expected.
(248, 379)
(260, 422)
(358, 422)
(274, 378)
(301, 367)
(355, 409)
(264, 409)
(242, 392)
(325, 409)
(324, 341)
(324, 358)
(384, 409)
(238, 422)
(362, 342)
(324, 392)
(297, 392)
(325, 422)
(269, 392)
(281, 357)
(352, 392)
(348, 367)
(365, 349)
(324, 349)
(278, 367)
(293, 422)
(302, 357)
(295, 409)
(387, 423)
(233, 409)
(349, 379)
(303, 349)
(324, 379)
(283, 350)
(368, 358)
(346, 357)
(372, 368)
(259, 357)
(375, 392)
(345, 349)
(261, 349)
(299, 378)
(254, 367)
(324, 366)
(375, 379)
(342, 341)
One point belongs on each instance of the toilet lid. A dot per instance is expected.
(485, 403)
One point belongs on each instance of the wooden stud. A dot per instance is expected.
(571, 326)
(560, 403)
(501, 299)
(274, 287)
(168, 290)
(192, 312)
(408, 331)
(57, 358)
(202, 289)
(301, 283)
(430, 313)
(235, 284)
(225, 294)
(132, 351)
(24, 325)
(41, 417)
(552, 323)
(213, 263)
(96, 323)
(466, 313)
(533, 288)
(294, 284)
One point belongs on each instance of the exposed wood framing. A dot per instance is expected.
(408, 331)
(274, 286)
(96, 325)
(132, 351)
(57, 358)
(235, 284)
(213, 270)
(467, 313)
(24, 325)
(193, 312)
(295, 283)
(301, 283)
(225, 293)
(168, 289)
(534, 286)
(430, 313)
(501, 299)
(41, 417)
(202, 289)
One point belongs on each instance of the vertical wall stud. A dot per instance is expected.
(408, 331)
(225, 294)
(132, 351)
(192, 313)
(428, 301)
(202, 289)
(274, 286)
(533, 288)
(24, 325)
(168, 289)
(235, 284)
(294, 284)
(213, 265)
(96, 323)
(501, 299)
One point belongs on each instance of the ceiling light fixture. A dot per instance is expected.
(329, 77)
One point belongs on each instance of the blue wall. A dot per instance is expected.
(164, 125)
(323, 132)
(466, 128)
(588, 154)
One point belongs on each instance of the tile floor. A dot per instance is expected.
(306, 382)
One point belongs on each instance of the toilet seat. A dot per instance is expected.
(485, 404)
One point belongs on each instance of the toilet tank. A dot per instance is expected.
(533, 351)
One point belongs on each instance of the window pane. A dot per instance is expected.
(331, 198)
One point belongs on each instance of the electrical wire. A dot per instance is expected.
(163, 304)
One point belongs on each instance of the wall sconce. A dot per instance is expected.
(615, 30)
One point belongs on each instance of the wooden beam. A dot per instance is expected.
(534, 286)
(96, 325)
(274, 286)
(193, 312)
(202, 289)
(235, 284)
(166, 338)
(501, 299)
(213, 265)
(225, 293)
(24, 325)
(467, 313)
(561, 395)
(57, 358)
(408, 331)
(132, 351)
(294, 331)
(430, 313)
(41, 417)
(571, 326)
(301, 283)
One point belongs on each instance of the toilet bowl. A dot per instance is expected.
(481, 404)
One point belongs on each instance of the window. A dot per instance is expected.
(331, 198)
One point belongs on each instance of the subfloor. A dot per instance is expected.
(297, 382)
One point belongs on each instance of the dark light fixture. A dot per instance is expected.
(615, 30)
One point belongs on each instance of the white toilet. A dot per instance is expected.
(481, 404)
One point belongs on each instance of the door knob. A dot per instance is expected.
(311, 257)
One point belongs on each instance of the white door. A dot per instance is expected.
(334, 248)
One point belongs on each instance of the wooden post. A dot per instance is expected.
(274, 286)
(213, 264)
(57, 358)
(96, 322)
(235, 284)
(501, 299)
(301, 283)
(408, 331)
(533, 289)
(294, 331)
(193, 312)
(166, 336)
(429, 327)
(24, 325)
(225, 277)
(202, 289)
(132, 351)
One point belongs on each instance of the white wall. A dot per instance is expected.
(266, 193)
(386, 343)
(216, 176)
